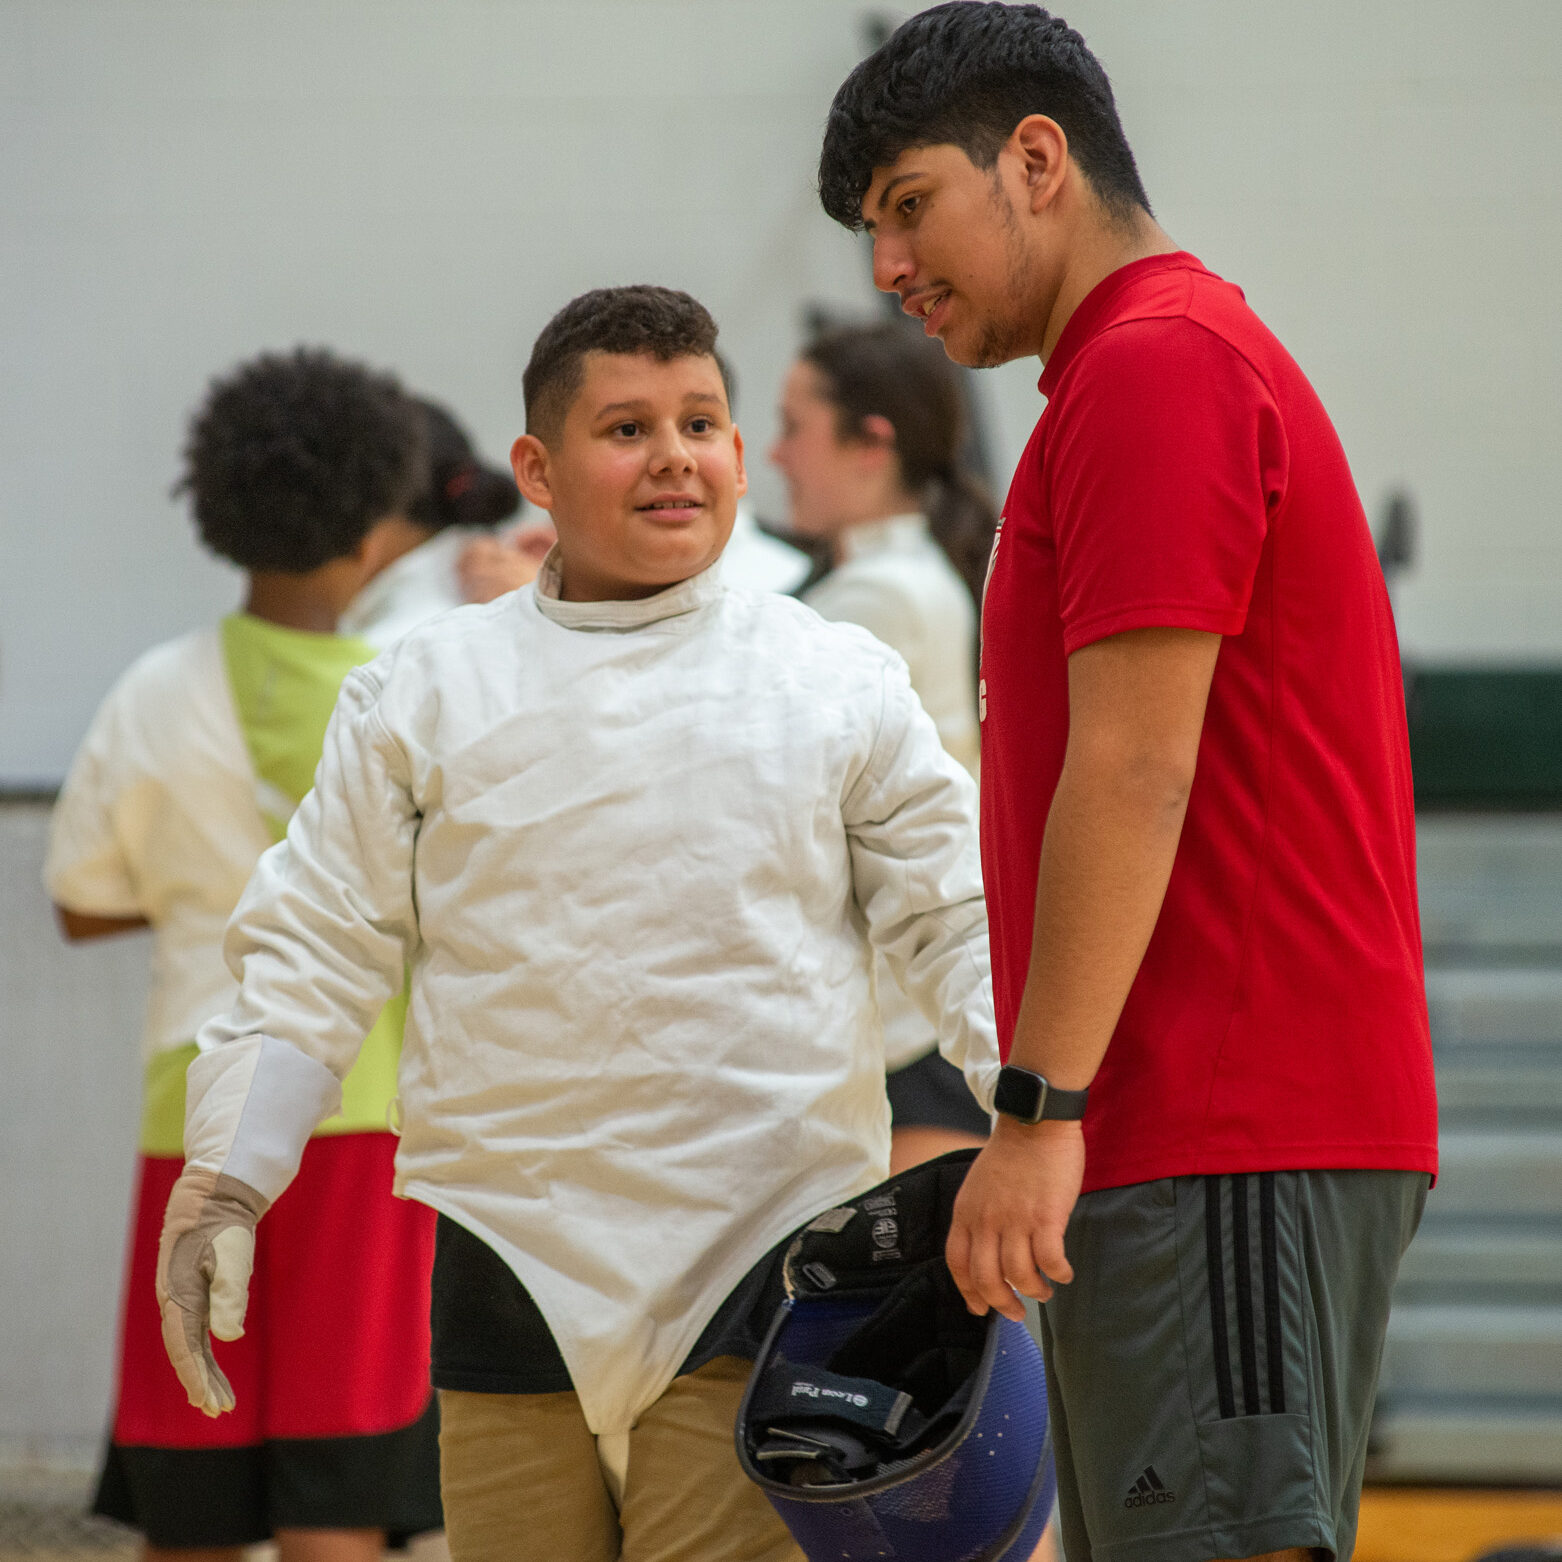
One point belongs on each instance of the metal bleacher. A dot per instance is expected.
(1472, 1380)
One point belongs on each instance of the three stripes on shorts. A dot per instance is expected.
(1255, 1292)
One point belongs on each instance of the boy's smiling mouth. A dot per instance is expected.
(672, 507)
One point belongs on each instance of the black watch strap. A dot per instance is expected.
(1028, 1097)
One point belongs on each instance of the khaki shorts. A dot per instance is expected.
(523, 1478)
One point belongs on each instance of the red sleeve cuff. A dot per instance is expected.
(1152, 615)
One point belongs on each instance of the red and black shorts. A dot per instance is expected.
(335, 1426)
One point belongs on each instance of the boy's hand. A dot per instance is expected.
(1010, 1215)
(203, 1269)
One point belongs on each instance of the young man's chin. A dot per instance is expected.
(957, 347)
(971, 352)
(975, 345)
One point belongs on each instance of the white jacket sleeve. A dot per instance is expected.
(911, 823)
(319, 942)
(87, 868)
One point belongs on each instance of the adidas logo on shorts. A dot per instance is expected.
(1148, 1490)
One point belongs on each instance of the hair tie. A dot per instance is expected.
(460, 481)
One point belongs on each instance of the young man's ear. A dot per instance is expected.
(529, 462)
(737, 445)
(1042, 149)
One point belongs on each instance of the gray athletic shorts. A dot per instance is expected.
(1212, 1367)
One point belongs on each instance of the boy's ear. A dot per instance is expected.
(529, 462)
(737, 445)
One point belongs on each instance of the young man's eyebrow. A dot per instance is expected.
(914, 173)
(868, 224)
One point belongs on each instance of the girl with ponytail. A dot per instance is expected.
(872, 423)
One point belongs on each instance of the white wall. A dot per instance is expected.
(1384, 179)
(70, 1020)
(182, 184)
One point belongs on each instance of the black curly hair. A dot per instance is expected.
(294, 456)
(462, 490)
(965, 74)
(659, 321)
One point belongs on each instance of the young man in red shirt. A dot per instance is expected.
(1197, 825)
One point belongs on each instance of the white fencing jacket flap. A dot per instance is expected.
(631, 851)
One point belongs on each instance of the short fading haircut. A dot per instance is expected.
(658, 321)
(965, 74)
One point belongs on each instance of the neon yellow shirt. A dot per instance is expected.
(284, 684)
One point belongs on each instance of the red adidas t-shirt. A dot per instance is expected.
(1184, 474)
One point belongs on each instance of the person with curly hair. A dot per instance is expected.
(1198, 830)
(303, 469)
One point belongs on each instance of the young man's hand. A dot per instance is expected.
(1009, 1217)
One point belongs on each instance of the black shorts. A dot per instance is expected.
(240, 1496)
(1213, 1365)
(932, 1093)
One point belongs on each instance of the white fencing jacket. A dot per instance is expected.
(896, 582)
(634, 853)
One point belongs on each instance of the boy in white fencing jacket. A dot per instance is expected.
(636, 836)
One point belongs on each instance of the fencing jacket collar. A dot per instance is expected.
(686, 597)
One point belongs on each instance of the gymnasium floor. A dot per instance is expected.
(41, 1522)
(1432, 1524)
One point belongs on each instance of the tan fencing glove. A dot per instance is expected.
(203, 1268)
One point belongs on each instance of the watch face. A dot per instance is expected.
(1018, 1093)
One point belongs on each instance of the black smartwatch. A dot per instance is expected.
(1029, 1098)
